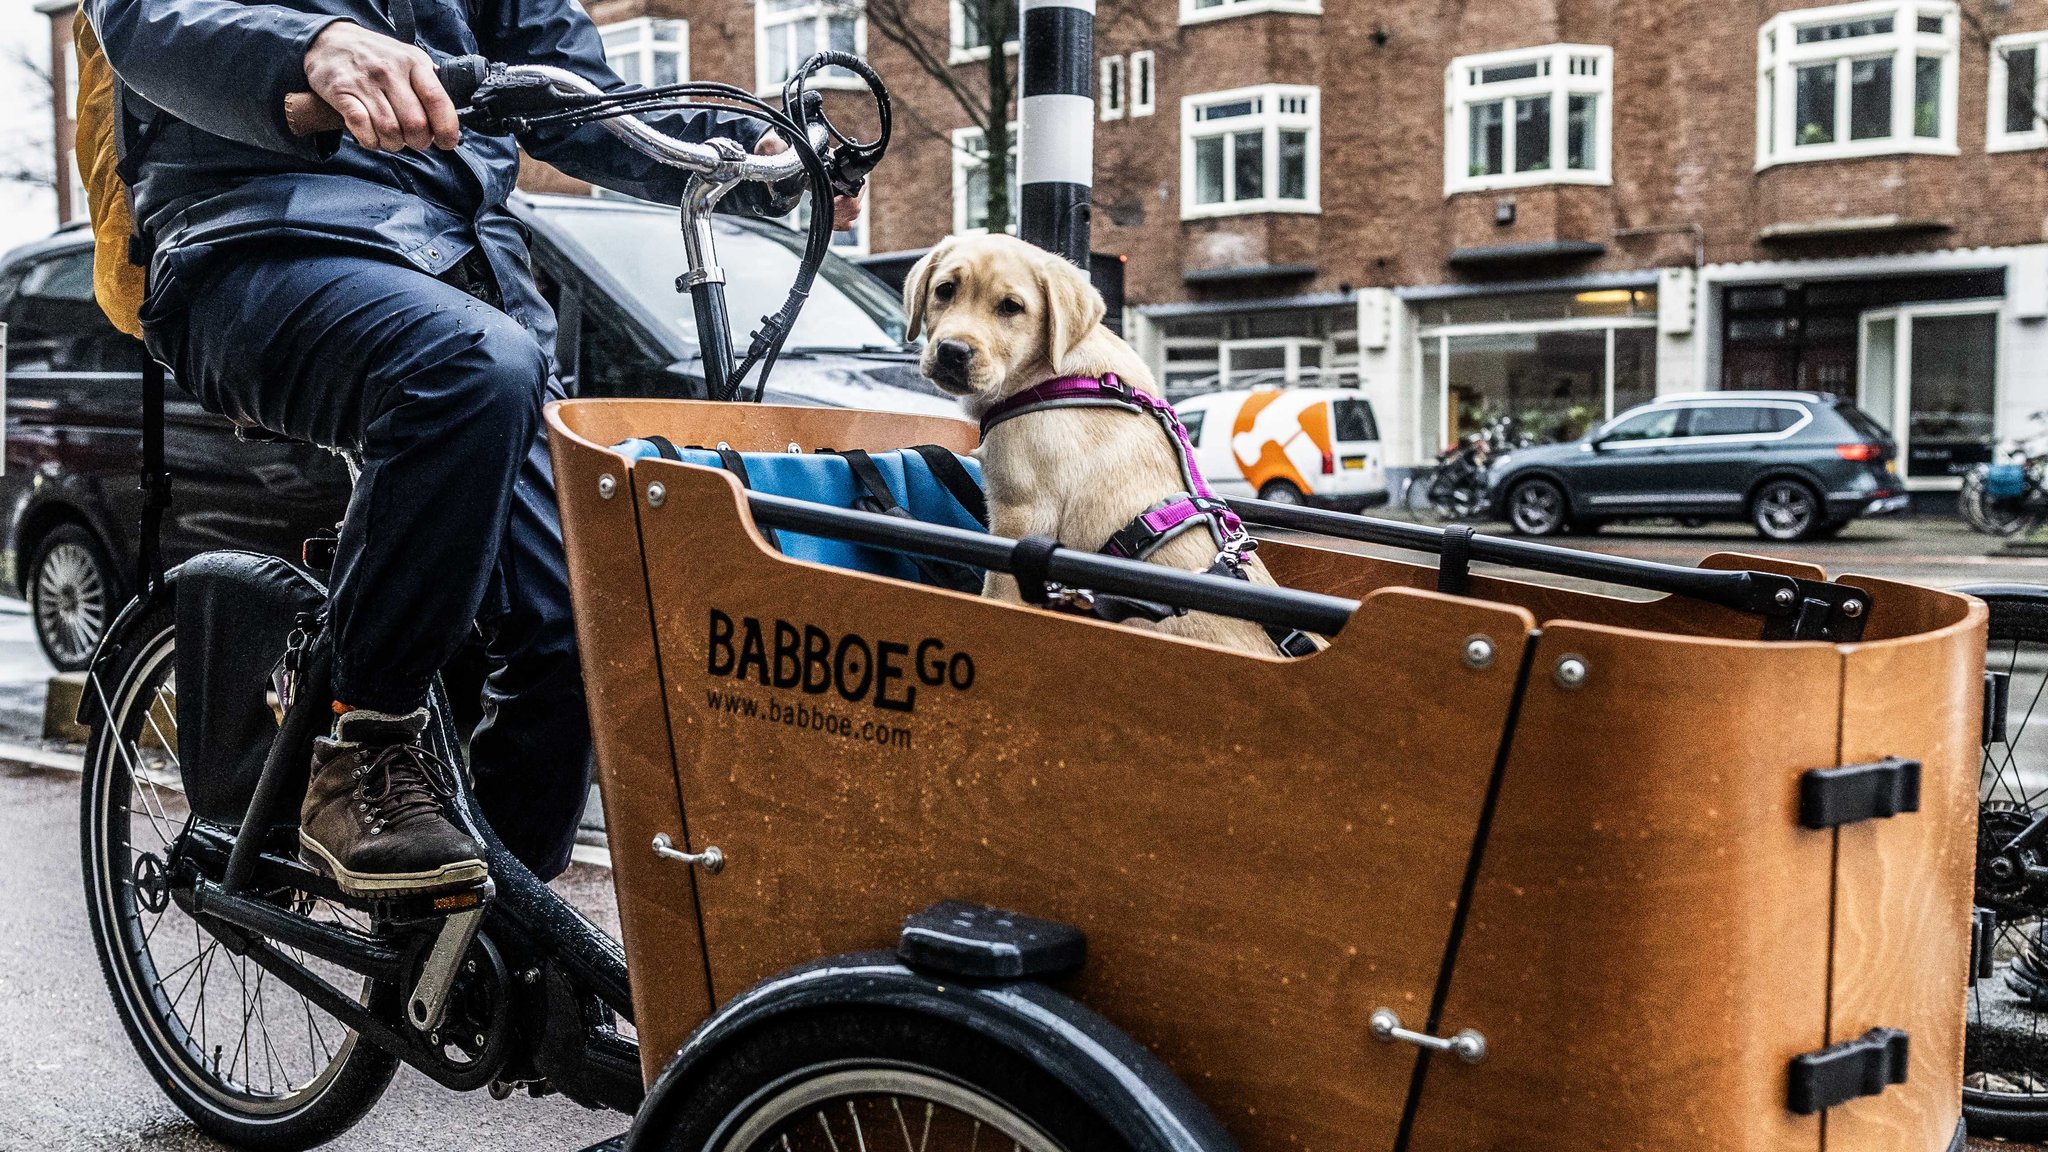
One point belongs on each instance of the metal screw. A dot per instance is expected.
(606, 486)
(655, 495)
(1478, 652)
(1785, 597)
(1469, 1046)
(469, 967)
(1852, 608)
(795, 449)
(1570, 671)
(530, 976)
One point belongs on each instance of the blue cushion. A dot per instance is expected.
(825, 478)
(2005, 481)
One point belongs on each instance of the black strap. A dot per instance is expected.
(1454, 562)
(738, 467)
(667, 450)
(1031, 564)
(878, 498)
(156, 479)
(956, 479)
(404, 21)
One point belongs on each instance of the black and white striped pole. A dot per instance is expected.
(1056, 125)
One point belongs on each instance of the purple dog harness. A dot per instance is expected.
(1168, 518)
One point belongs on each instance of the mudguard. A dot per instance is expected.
(121, 637)
(1122, 1080)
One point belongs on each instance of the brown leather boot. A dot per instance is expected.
(376, 812)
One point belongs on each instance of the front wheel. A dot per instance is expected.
(1785, 511)
(71, 590)
(1537, 508)
(1282, 492)
(882, 1080)
(252, 1062)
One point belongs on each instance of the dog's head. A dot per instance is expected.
(1000, 315)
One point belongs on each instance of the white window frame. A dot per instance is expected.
(1997, 139)
(1191, 11)
(1145, 63)
(1556, 81)
(1271, 120)
(1230, 376)
(1110, 92)
(965, 160)
(956, 35)
(1780, 56)
(647, 46)
(819, 12)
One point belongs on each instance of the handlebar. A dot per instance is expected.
(473, 82)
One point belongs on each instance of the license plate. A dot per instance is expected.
(1354, 463)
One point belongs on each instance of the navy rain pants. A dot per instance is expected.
(453, 520)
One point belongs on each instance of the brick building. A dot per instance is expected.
(1546, 208)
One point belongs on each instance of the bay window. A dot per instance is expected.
(2015, 112)
(1250, 150)
(788, 32)
(1857, 80)
(1531, 116)
(648, 51)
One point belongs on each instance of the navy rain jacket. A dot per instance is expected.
(221, 170)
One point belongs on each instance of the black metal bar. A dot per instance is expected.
(1747, 591)
(1285, 607)
(351, 950)
(156, 478)
(284, 769)
(714, 337)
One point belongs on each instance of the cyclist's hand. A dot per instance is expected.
(845, 209)
(385, 89)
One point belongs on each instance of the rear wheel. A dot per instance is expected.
(885, 1081)
(1785, 510)
(252, 1062)
(1536, 507)
(71, 590)
(1282, 492)
(2005, 1053)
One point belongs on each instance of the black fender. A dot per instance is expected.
(120, 635)
(1137, 1093)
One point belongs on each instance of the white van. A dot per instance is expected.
(1289, 445)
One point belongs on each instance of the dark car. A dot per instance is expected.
(1796, 465)
(69, 502)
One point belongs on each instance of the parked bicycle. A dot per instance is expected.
(1456, 488)
(2010, 497)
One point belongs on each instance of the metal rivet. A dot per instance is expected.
(724, 447)
(606, 486)
(433, 253)
(655, 495)
(795, 449)
(1785, 597)
(1852, 608)
(479, 1039)
(1571, 671)
(1478, 651)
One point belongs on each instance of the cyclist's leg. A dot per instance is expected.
(531, 753)
(441, 396)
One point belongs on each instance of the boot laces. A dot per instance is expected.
(404, 783)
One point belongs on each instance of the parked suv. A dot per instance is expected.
(68, 497)
(1796, 465)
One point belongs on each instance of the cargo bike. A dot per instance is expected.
(1509, 865)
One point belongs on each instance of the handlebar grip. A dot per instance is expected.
(306, 114)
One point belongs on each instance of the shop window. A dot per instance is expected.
(970, 28)
(970, 181)
(788, 32)
(1527, 358)
(1857, 80)
(1250, 150)
(1200, 11)
(648, 51)
(1144, 96)
(2018, 116)
(1532, 116)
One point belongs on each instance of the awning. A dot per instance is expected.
(1530, 253)
(1637, 278)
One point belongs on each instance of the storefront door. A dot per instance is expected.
(1929, 374)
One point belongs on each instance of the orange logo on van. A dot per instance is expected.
(1280, 441)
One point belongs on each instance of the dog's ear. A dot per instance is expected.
(918, 285)
(1072, 309)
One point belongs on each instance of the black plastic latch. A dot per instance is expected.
(976, 942)
(1837, 1074)
(1830, 797)
(1983, 933)
(1997, 692)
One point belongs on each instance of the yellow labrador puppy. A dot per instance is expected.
(1004, 318)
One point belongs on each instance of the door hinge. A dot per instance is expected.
(1997, 690)
(1839, 1073)
(1830, 797)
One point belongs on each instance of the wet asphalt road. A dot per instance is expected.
(70, 1081)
